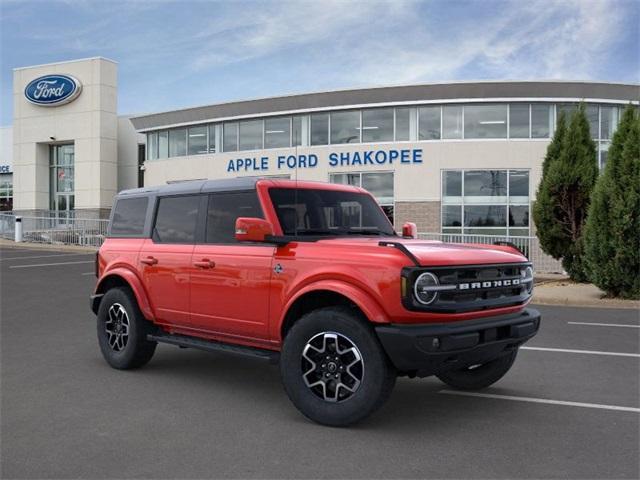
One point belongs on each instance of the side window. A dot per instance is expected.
(224, 209)
(128, 216)
(176, 219)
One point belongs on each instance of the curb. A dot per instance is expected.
(45, 246)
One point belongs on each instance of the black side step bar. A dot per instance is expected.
(214, 346)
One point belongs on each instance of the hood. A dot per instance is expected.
(436, 253)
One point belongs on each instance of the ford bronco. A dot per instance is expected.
(310, 276)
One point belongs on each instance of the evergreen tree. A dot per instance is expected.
(563, 198)
(612, 242)
(548, 231)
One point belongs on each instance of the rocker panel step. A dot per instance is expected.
(215, 346)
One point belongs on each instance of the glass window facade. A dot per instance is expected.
(296, 130)
(429, 123)
(251, 135)
(152, 146)
(62, 178)
(519, 120)
(485, 121)
(345, 127)
(320, 129)
(372, 125)
(163, 144)
(277, 132)
(403, 124)
(377, 125)
(541, 120)
(230, 137)
(608, 122)
(178, 142)
(197, 140)
(6, 192)
(486, 202)
(212, 139)
(452, 121)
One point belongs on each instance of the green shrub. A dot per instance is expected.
(560, 211)
(612, 233)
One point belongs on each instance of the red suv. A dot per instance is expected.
(310, 276)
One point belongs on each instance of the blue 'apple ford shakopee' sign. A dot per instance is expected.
(53, 90)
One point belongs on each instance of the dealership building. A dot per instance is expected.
(460, 157)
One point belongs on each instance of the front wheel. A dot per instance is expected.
(477, 377)
(333, 367)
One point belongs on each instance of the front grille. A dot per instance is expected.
(472, 287)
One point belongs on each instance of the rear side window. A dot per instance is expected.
(176, 219)
(224, 209)
(128, 216)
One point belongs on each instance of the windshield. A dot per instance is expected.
(328, 212)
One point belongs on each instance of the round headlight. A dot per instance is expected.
(425, 288)
(527, 278)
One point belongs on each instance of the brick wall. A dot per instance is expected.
(426, 215)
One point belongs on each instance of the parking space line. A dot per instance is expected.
(589, 352)
(88, 273)
(50, 264)
(604, 324)
(45, 256)
(541, 400)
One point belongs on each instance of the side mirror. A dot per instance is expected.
(410, 230)
(252, 229)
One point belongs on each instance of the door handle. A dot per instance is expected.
(149, 260)
(205, 263)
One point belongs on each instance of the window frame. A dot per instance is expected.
(507, 204)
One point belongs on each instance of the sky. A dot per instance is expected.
(176, 54)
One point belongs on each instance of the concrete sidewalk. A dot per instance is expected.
(549, 291)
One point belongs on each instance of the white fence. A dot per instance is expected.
(530, 246)
(91, 232)
(88, 232)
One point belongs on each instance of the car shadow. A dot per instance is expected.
(414, 405)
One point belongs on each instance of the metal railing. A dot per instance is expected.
(88, 232)
(530, 246)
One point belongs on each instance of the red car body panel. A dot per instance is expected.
(231, 293)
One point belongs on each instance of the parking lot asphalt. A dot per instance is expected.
(569, 408)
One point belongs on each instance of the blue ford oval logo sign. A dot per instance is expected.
(53, 90)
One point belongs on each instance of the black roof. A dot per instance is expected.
(195, 186)
(393, 94)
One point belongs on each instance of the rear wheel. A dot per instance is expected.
(334, 369)
(477, 377)
(122, 331)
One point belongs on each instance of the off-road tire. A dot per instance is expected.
(378, 374)
(481, 376)
(137, 350)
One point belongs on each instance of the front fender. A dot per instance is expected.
(134, 283)
(363, 300)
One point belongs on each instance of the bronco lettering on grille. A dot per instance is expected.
(489, 284)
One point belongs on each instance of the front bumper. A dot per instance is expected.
(427, 349)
